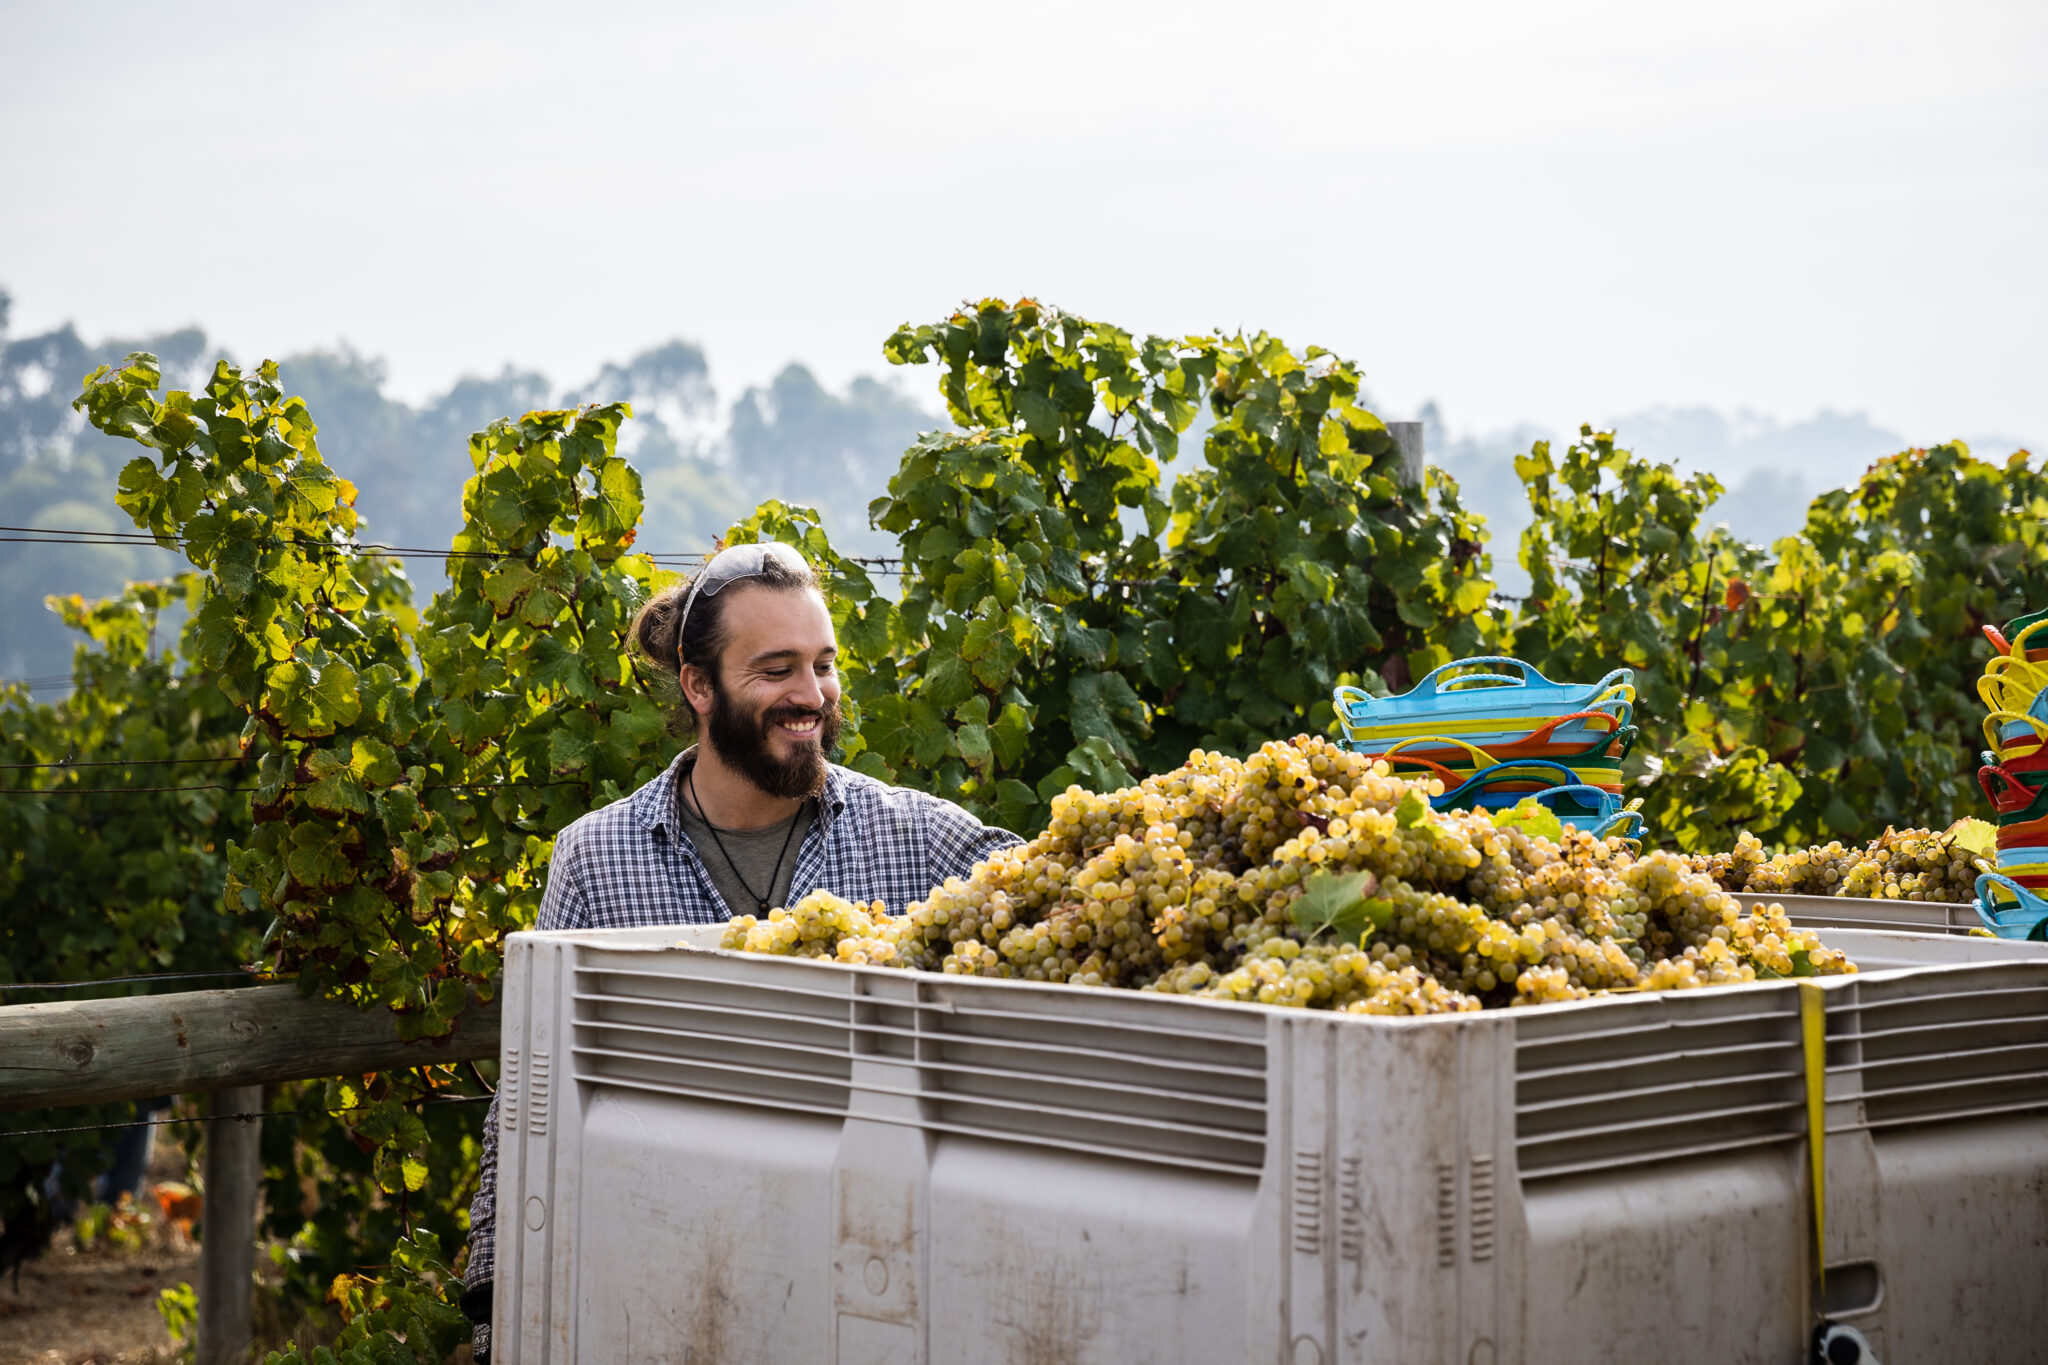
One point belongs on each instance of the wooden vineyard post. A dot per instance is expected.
(1408, 436)
(227, 1249)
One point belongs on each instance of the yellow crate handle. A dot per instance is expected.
(1485, 759)
(1392, 753)
(2035, 671)
(2018, 647)
(2011, 682)
(1618, 692)
(1997, 718)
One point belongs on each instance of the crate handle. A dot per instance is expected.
(1392, 754)
(1348, 697)
(2016, 796)
(1992, 722)
(1621, 691)
(1631, 818)
(1578, 791)
(1467, 679)
(1414, 762)
(1531, 676)
(2019, 641)
(2023, 919)
(1543, 733)
(1627, 737)
(1430, 684)
(1515, 769)
(2008, 663)
(1999, 686)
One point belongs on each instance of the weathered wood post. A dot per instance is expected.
(227, 1248)
(1408, 436)
(92, 1051)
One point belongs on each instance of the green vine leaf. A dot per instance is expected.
(1339, 904)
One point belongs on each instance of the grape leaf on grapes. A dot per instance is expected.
(1411, 810)
(1331, 901)
(1978, 837)
(1533, 818)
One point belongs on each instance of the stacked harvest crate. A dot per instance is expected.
(1497, 733)
(2015, 777)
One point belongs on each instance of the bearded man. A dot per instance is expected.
(754, 815)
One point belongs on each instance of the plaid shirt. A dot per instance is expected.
(629, 865)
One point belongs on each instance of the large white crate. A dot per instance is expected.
(710, 1157)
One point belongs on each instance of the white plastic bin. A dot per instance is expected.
(1851, 912)
(712, 1157)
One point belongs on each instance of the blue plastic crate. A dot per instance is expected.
(2024, 916)
(1484, 707)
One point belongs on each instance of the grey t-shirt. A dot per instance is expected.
(743, 862)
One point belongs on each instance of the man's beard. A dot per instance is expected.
(742, 739)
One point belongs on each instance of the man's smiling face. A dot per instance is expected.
(773, 712)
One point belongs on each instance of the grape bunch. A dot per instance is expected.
(1219, 879)
(819, 925)
(1899, 865)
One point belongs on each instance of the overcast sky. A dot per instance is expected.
(1555, 212)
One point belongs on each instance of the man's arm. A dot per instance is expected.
(562, 906)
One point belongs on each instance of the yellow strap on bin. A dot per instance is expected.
(1813, 1035)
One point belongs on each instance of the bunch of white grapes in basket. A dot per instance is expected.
(1218, 879)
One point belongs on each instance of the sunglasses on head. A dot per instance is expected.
(734, 564)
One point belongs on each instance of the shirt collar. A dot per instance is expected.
(654, 805)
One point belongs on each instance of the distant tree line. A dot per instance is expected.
(706, 463)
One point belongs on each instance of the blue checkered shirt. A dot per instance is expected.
(629, 865)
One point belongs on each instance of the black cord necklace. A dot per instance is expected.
(690, 781)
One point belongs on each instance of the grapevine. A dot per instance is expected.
(113, 846)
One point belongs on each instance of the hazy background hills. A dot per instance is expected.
(706, 458)
(1811, 231)
(1771, 468)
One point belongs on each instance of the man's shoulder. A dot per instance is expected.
(618, 816)
(871, 794)
(625, 820)
(907, 809)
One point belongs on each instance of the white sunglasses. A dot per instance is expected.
(734, 564)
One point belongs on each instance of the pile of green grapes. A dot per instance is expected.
(1901, 865)
(1308, 875)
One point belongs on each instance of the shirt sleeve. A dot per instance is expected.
(483, 1213)
(562, 906)
(955, 841)
(562, 903)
